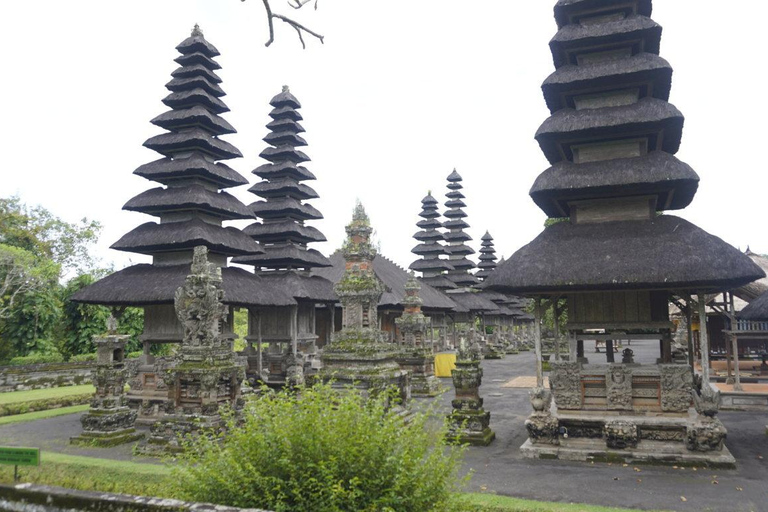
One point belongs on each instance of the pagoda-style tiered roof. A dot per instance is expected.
(455, 235)
(191, 205)
(283, 232)
(487, 257)
(611, 140)
(430, 247)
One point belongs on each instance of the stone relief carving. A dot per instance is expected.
(676, 387)
(565, 381)
(706, 436)
(620, 434)
(618, 383)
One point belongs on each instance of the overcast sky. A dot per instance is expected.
(401, 92)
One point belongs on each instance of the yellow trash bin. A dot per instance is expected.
(444, 363)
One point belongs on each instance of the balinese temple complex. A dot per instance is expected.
(286, 260)
(618, 258)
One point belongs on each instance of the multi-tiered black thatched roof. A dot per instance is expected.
(611, 140)
(430, 247)
(283, 233)
(457, 248)
(487, 257)
(191, 205)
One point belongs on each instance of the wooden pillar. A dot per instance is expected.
(260, 361)
(294, 329)
(332, 309)
(735, 340)
(689, 328)
(579, 350)
(703, 339)
(556, 313)
(666, 346)
(609, 357)
(537, 342)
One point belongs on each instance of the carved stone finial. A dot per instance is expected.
(196, 31)
(111, 324)
(286, 89)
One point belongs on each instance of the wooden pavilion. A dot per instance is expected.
(611, 140)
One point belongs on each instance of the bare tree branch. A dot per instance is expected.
(300, 29)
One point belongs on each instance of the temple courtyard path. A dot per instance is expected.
(500, 468)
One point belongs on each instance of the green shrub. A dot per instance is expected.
(36, 359)
(82, 358)
(320, 450)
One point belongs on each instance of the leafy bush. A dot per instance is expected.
(82, 358)
(319, 449)
(35, 359)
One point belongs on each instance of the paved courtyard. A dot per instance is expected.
(500, 468)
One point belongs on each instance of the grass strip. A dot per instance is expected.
(494, 503)
(14, 397)
(44, 405)
(41, 415)
(95, 474)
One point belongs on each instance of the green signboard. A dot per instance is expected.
(18, 456)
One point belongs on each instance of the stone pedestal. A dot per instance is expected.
(469, 422)
(420, 363)
(109, 421)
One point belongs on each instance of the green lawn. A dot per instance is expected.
(153, 479)
(14, 397)
(40, 415)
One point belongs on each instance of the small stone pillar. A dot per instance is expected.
(469, 422)
(542, 426)
(416, 356)
(109, 421)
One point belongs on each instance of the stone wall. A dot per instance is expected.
(46, 375)
(43, 498)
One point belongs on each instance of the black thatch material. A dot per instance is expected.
(657, 173)
(285, 256)
(196, 116)
(461, 249)
(301, 286)
(150, 238)
(454, 193)
(283, 169)
(455, 203)
(145, 285)
(169, 144)
(288, 230)
(649, 116)
(631, 29)
(285, 113)
(757, 310)
(285, 187)
(195, 82)
(430, 223)
(454, 177)
(197, 58)
(394, 279)
(285, 99)
(637, 71)
(426, 265)
(439, 283)
(282, 207)
(287, 138)
(284, 153)
(197, 43)
(666, 253)
(473, 302)
(753, 290)
(566, 10)
(285, 125)
(459, 236)
(428, 236)
(430, 248)
(188, 99)
(454, 212)
(461, 263)
(167, 171)
(196, 70)
(455, 224)
(428, 200)
(193, 197)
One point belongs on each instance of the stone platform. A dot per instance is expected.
(647, 452)
(754, 397)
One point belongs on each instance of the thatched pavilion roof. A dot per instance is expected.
(665, 253)
(146, 285)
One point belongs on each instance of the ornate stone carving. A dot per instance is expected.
(706, 436)
(565, 381)
(541, 399)
(469, 423)
(676, 387)
(620, 434)
(543, 428)
(618, 383)
(109, 421)
(708, 402)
